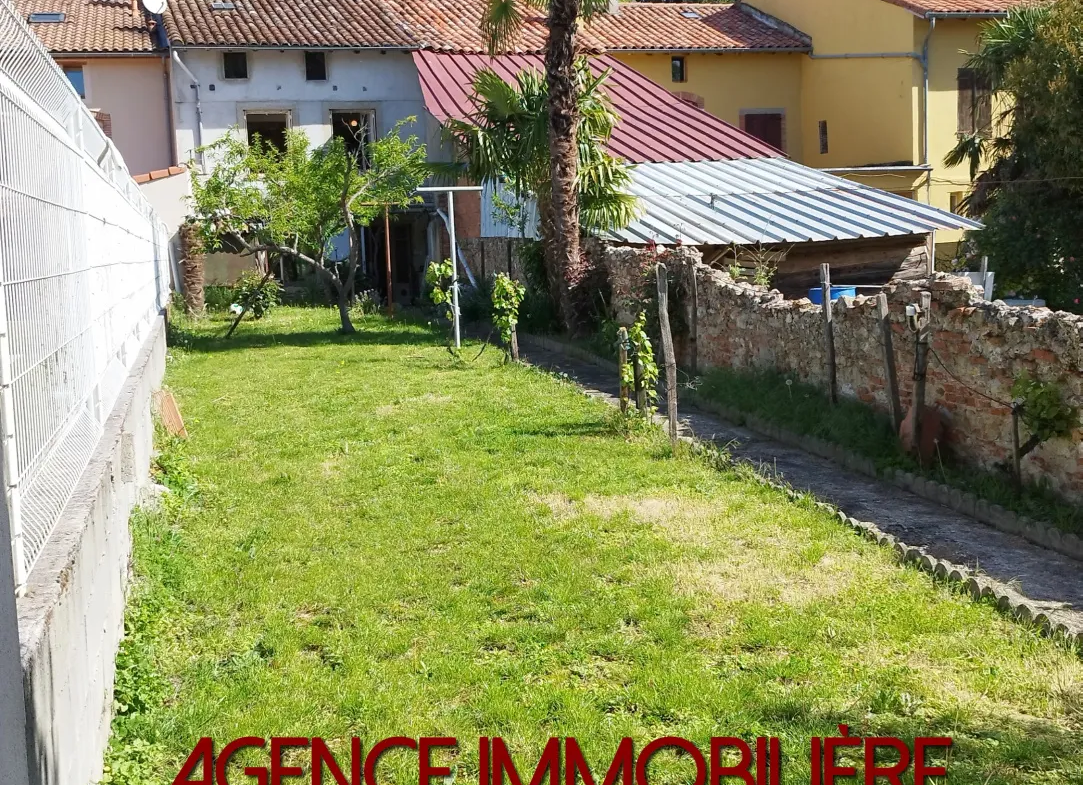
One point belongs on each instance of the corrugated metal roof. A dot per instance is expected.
(655, 125)
(769, 200)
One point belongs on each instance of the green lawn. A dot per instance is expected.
(368, 538)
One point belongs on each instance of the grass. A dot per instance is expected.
(369, 538)
(805, 409)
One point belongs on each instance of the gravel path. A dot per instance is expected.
(1051, 582)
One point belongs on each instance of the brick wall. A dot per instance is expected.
(984, 345)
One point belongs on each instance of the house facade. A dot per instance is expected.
(878, 95)
(116, 58)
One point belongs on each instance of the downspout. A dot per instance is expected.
(199, 106)
(925, 107)
(931, 262)
(170, 119)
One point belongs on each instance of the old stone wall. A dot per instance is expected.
(979, 348)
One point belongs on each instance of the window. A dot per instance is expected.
(823, 137)
(315, 67)
(355, 129)
(975, 103)
(235, 65)
(47, 17)
(268, 127)
(677, 69)
(765, 126)
(956, 201)
(75, 76)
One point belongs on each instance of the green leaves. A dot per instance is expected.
(438, 277)
(1044, 411)
(506, 139)
(1030, 193)
(507, 297)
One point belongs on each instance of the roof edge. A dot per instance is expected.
(773, 22)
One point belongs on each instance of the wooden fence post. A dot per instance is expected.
(667, 351)
(693, 328)
(637, 379)
(829, 335)
(891, 379)
(921, 364)
(514, 342)
(622, 359)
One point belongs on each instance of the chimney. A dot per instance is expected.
(613, 7)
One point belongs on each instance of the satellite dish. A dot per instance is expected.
(154, 6)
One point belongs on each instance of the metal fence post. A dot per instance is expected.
(8, 451)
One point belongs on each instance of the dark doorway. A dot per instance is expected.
(765, 126)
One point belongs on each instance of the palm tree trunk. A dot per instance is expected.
(555, 271)
(563, 149)
(192, 273)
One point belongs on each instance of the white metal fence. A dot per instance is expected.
(83, 275)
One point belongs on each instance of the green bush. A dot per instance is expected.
(258, 294)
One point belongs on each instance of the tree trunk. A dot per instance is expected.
(344, 310)
(563, 148)
(192, 270)
(555, 273)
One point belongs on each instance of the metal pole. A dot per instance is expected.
(10, 453)
(454, 264)
(387, 259)
(829, 333)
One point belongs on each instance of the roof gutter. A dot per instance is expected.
(295, 47)
(965, 15)
(199, 106)
(712, 50)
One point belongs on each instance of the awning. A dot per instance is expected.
(769, 200)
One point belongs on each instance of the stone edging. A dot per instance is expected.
(1007, 599)
(956, 499)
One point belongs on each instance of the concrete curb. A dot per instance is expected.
(1007, 599)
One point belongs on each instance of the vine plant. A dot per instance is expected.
(1044, 410)
(439, 278)
(507, 297)
(642, 349)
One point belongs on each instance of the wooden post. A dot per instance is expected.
(637, 374)
(693, 327)
(622, 359)
(387, 260)
(921, 364)
(891, 379)
(514, 344)
(667, 352)
(1017, 471)
(829, 334)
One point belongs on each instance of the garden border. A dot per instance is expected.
(1007, 599)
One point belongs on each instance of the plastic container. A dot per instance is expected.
(817, 294)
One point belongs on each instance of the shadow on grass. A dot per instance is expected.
(558, 430)
(201, 341)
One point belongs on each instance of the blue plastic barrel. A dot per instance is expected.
(817, 295)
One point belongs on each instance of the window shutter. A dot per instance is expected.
(965, 87)
(983, 110)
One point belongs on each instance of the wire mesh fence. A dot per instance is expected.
(83, 275)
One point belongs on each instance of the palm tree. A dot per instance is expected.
(502, 21)
(506, 138)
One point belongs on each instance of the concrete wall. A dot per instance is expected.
(71, 617)
(383, 81)
(133, 91)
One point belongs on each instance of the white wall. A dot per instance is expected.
(386, 83)
(132, 90)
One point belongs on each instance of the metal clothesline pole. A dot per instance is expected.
(450, 191)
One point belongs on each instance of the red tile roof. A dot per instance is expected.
(455, 26)
(655, 125)
(306, 23)
(976, 7)
(159, 174)
(680, 26)
(89, 26)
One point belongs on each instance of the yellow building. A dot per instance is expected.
(874, 90)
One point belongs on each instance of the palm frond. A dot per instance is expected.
(501, 23)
